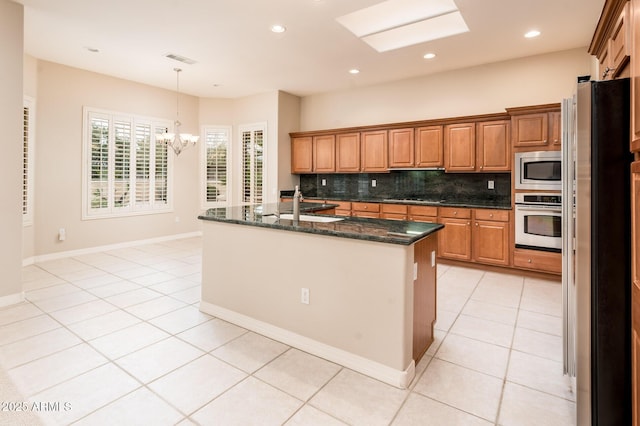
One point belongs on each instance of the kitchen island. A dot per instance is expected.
(358, 292)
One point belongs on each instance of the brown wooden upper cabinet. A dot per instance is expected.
(493, 150)
(538, 130)
(374, 152)
(429, 147)
(401, 148)
(460, 147)
(420, 147)
(313, 154)
(324, 154)
(348, 153)
(302, 155)
(613, 46)
(477, 147)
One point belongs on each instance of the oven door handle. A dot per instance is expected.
(530, 208)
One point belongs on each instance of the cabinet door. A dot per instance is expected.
(429, 147)
(454, 241)
(460, 147)
(401, 148)
(635, 76)
(324, 154)
(555, 129)
(530, 129)
(619, 43)
(374, 151)
(302, 155)
(491, 242)
(348, 153)
(494, 147)
(635, 288)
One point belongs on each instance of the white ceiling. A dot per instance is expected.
(235, 49)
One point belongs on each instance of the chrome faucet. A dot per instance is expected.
(297, 198)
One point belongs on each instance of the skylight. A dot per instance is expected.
(393, 24)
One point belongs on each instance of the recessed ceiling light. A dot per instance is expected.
(278, 28)
(532, 34)
(354, 71)
(429, 56)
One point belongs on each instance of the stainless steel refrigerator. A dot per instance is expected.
(596, 250)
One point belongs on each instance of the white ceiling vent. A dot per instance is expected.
(179, 58)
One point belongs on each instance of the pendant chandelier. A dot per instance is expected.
(177, 141)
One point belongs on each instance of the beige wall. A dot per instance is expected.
(288, 121)
(62, 93)
(479, 90)
(11, 29)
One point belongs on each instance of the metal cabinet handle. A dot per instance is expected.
(529, 261)
(476, 223)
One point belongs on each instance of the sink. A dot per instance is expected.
(309, 218)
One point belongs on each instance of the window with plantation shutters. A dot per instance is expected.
(216, 166)
(28, 124)
(126, 172)
(253, 144)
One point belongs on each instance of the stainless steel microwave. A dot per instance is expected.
(539, 170)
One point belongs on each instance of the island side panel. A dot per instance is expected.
(361, 292)
(425, 295)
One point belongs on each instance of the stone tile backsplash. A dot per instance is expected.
(428, 185)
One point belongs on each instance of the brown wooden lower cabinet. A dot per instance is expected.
(477, 235)
(635, 290)
(424, 291)
(371, 210)
(454, 241)
(635, 350)
(393, 211)
(343, 209)
(541, 261)
(490, 236)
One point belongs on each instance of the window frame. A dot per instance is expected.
(28, 103)
(203, 169)
(243, 128)
(134, 208)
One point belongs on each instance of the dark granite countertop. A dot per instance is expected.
(379, 230)
(476, 204)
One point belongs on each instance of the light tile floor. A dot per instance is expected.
(117, 338)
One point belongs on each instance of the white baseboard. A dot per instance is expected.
(64, 254)
(398, 378)
(11, 299)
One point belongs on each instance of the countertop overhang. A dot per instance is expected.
(378, 230)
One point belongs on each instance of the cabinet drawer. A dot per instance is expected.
(456, 213)
(374, 215)
(342, 205)
(394, 208)
(497, 215)
(365, 207)
(393, 216)
(418, 218)
(538, 260)
(423, 211)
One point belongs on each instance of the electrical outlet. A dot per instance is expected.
(324, 182)
(62, 234)
(415, 271)
(374, 183)
(304, 296)
(490, 184)
(177, 219)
